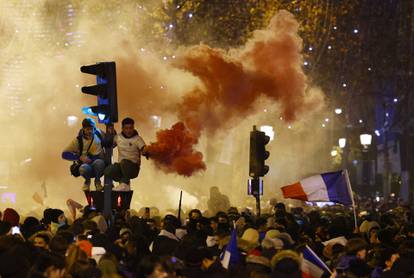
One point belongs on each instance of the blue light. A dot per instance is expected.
(377, 132)
(88, 111)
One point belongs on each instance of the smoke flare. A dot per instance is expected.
(268, 65)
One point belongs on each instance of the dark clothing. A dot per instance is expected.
(216, 270)
(123, 171)
(164, 246)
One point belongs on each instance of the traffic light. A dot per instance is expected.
(105, 90)
(258, 153)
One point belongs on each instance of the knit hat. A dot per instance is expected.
(251, 236)
(54, 215)
(88, 122)
(11, 216)
(124, 230)
(272, 233)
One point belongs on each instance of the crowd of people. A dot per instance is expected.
(148, 245)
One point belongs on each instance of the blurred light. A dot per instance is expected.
(171, 26)
(387, 114)
(334, 153)
(101, 116)
(281, 118)
(377, 132)
(326, 119)
(268, 130)
(71, 120)
(265, 110)
(369, 69)
(88, 111)
(344, 85)
(335, 27)
(190, 15)
(366, 139)
(323, 125)
(342, 142)
(355, 162)
(360, 121)
(377, 199)
(289, 126)
(165, 58)
(173, 56)
(329, 47)
(310, 48)
(305, 63)
(356, 31)
(142, 49)
(8, 197)
(156, 120)
(338, 111)
(395, 99)
(392, 195)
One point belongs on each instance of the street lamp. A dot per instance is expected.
(365, 139)
(342, 142)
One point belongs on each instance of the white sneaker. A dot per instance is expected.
(122, 187)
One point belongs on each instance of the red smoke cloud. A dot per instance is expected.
(269, 65)
(173, 151)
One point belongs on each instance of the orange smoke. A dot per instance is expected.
(268, 65)
(173, 152)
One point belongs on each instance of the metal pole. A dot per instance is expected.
(107, 181)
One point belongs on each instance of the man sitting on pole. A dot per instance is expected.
(87, 153)
(130, 147)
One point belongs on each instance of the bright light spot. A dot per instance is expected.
(173, 56)
(360, 121)
(171, 26)
(77, 85)
(334, 153)
(305, 63)
(335, 28)
(356, 31)
(165, 58)
(323, 125)
(344, 85)
(72, 120)
(289, 127)
(265, 110)
(342, 142)
(326, 119)
(338, 111)
(142, 49)
(377, 199)
(268, 130)
(395, 100)
(369, 69)
(190, 15)
(355, 162)
(387, 114)
(26, 161)
(310, 48)
(156, 120)
(329, 47)
(366, 139)
(101, 116)
(281, 118)
(377, 132)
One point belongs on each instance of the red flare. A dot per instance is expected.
(174, 151)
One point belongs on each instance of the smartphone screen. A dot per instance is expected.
(15, 230)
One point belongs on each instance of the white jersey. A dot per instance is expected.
(129, 148)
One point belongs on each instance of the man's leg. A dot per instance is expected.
(114, 172)
(86, 171)
(130, 170)
(98, 167)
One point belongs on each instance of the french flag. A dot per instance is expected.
(326, 187)
(231, 255)
(312, 266)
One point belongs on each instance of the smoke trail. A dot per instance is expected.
(268, 65)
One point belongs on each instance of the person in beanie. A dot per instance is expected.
(11, 216)
(130, 148)
(87, 149)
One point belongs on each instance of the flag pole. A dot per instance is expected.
(348, 182)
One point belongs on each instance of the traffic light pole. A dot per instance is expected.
(256, 194)
(107, 211)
